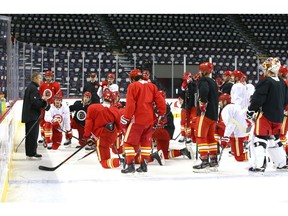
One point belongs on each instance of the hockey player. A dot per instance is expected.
(101, 127)
(188, 111)
(269, 100)
(56, 120)
(79, 108)
(92, 86)
(206, 119)
(146, 75)
(138, 119)
(163, 133)
(108, 84)
(48, 88)
(235, 127)
(239, 94)
(227, 85)
(283, 73)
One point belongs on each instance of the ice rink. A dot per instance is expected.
(83, 187)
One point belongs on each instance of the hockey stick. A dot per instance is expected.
(87, 154)
(27, 133)
(45, 168)
(176, 137)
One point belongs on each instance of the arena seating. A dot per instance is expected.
(198, 36)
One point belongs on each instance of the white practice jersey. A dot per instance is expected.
(62, 113)
(113, 88)
(239, 95)
(235, 121)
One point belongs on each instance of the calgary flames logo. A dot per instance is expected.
(58, 118)
(81, 115)
(47, 93)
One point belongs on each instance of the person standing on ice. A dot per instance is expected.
(138, 119)
(206, 119)
(269, 100)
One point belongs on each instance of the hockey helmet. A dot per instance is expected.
(49, 73)
(227, 73)
(58, 96)
(111, 76)
(238, 74)
(219, 81)
(271, 64)
(108, 96)
(187, 74)
(146, 74)
(207, 67)
(283, 71)
(134, 73)
(225, 97)
(87, 94)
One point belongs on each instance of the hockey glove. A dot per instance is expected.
(89, 141)
(224, 142)
(124, 121)
(55, 123)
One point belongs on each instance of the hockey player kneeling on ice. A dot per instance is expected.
(80, 112)
(56, 120)
(102, 127)
(270, 101)
(235, 127)
(207, 116)
(163, 133)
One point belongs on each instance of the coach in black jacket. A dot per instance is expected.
(31, 112)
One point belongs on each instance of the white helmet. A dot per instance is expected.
(271, 64)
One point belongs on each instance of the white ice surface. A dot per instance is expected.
(85, 188)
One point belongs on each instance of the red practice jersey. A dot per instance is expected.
(50, 89)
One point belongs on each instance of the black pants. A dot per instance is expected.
(31, 137)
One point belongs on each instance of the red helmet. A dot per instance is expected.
(238, 74)
(206, 66)
(163, 93)
(134, 73)
(87, 94)
(219, 81)
(283, 71)
(225, 97)
(57, 96)
(107, 95)
(187, 74)
(227, 73)
(49, 73)
(146, 74)
(111, 76)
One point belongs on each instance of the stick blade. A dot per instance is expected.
(47, 168)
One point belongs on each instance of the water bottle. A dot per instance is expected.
(2, 104)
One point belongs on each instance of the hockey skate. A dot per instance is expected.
(43, 142)
(186, 152)
(49, 146)
(130, 168)
(188, 140)
(214, 164)
(143, 167)
(260, 170)
(159, 156)
(202, 167)
(67, 143)
(90, 148)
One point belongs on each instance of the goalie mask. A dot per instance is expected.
(272, 65)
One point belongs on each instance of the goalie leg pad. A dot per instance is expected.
(278, 156)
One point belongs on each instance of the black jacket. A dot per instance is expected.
(32, 103)
(271, 95)
(208, 93)
(92, 87)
